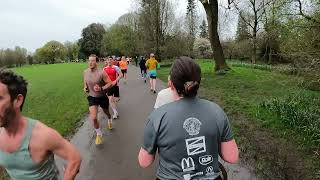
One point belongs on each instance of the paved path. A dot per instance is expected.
(116, 159)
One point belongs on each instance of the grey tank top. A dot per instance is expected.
(20, 166)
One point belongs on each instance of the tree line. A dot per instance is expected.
(268, 31)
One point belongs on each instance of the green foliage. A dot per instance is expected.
(51, 53)
(55, 94)
(119, 40)
(91, 41)
(300, 112)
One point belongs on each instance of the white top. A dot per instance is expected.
(165, 96)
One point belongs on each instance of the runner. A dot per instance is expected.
(143, 69)
(95, 84)
(189, 133)
(152, 65)
(165, 96)
(124, 67)
(27, 146)
(115, 74)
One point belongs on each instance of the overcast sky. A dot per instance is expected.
(32, 23)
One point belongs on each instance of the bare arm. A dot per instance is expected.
(64, 149)
(145, 159)
(229, 151)
(85, 87)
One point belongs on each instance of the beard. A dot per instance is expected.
(9, 115)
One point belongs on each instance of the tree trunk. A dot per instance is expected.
(254, 53)
(211, 8)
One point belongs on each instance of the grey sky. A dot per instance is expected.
(32, 23)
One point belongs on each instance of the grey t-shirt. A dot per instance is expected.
(187, 135)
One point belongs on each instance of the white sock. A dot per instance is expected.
(110, 120)
(114, 111)
(98, 131)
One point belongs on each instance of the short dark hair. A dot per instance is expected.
(16, 84)
(93, 55)
(186, 76)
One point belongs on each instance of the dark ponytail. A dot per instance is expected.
(186, 76)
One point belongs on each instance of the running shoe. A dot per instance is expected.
(98, 139)
(115, 115)
(110, 126)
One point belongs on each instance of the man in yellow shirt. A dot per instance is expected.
(152, 65)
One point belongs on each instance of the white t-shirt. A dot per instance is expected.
(165, 96)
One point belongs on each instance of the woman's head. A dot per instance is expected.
(185, 76)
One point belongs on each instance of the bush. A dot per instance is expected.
(301, 113)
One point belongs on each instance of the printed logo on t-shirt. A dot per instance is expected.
(190, 176)
(192, 126)
(205, 160)
(187, 164)
(196, 145)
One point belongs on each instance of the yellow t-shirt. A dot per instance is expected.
(123, 64)
(151, 64)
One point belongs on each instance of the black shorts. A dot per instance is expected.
(114, 91)
(153, 77)
(124, 71)
(102, 101)
(143, 71)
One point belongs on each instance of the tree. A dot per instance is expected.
(252, 16)
(119, 40)
(155, 17)
(91, 41)
(191, 22)
(51, 52)
(204, 30)
(202, 48)
(69, 46)
(211, 8)
(242, 30)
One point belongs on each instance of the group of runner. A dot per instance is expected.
(188, 133)
(102, 86)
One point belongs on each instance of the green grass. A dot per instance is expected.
(55, 95)
(244, 89)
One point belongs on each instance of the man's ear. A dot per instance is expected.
(17, 103)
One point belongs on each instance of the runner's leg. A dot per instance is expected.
(106, 111)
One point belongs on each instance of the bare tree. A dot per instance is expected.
(252, 16)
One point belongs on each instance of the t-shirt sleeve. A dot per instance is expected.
(150, 138)
(226, 130)
(117, 69)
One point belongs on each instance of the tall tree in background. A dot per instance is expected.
(211, 7)
(191, 19)
(91, 41)
(243, 32)
(204, 29)
(154, 22)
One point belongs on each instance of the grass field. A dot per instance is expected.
(243, 90)
(55, 94)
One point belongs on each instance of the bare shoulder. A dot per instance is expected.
(44, 135)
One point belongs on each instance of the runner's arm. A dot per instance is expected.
(85, 87)
(120, 75)
(107, 81)
(229, 151)
(145, 159)
(55, 143)
(228, 147)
